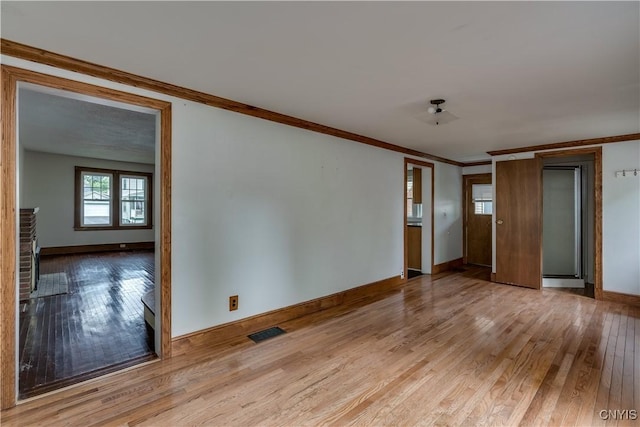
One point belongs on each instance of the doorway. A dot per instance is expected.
(12, 78)
(518, 218)
(81, 313)
(418, 217)
(478, 211)
(568, 223)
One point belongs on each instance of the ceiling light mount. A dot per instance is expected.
(438, 114)
(436, 109)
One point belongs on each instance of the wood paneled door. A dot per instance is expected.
(478, 201)
(519, 222)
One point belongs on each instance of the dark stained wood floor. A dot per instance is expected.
(448, 349)
(96, 328)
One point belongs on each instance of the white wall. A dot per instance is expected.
(275, 214)
(471, 170)
(447, 213)
(621, 218)
(49, 183)
(426, 221)
(447, 210)
(20, 176)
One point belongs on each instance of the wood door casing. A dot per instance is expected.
(519, 222)
(477, 228)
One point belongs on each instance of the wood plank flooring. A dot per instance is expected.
(97, 327)
(448, 349)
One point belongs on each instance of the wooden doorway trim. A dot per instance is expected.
(407, 162)
(597, 188)
(11, 76)
(466, 179)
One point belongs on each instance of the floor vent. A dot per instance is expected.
(266, 334)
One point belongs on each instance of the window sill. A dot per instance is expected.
(115, 228)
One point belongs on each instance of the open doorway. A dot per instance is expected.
(418, 218)
(86, 178)
(568, 218)
(14, 80)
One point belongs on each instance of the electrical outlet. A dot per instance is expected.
(402, 274)
(233, 303)
(122, 245)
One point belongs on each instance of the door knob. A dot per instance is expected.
(499, 222)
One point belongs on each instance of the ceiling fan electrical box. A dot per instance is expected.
(438, 114)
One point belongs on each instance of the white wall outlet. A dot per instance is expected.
(402, 274)
(122, 245)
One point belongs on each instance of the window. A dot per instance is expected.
(133, 200)
(111, 199)
(482, 198)
(96, 199)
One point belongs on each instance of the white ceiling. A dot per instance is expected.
(515, 73)
(58, 122)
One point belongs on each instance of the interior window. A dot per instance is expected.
(482, 195)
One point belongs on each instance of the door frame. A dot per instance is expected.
(431, 166)
(597, 222)
(465, 188)
(11, 76)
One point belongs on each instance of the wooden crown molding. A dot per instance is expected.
(568, 144)
(29, 53)
(478, 163)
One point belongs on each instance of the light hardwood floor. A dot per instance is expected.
(451, 349)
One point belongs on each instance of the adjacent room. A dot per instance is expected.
(86, 237)
(320, 213)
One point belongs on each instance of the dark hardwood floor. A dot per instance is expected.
(96, 328)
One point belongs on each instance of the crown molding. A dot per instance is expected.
(568, 144)
(41, 56)
(477, 163)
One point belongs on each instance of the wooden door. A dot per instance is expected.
(477, 222)
(414, 257)
(519, 222)
(417, 185)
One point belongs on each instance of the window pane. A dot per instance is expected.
(483, 208)
(482, 192)
(96, 187)
(96, 203)
(133, 200)
(133, 213)
(133, 188)
(96, 212)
